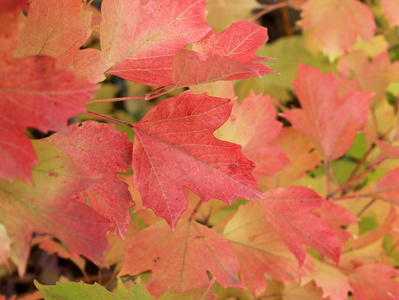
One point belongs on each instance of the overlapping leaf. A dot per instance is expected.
(289, 211)
(181, 259)
(175, 148)
(143, 39)
(337, 24)
(331, 122)
(253, 125)
(101, 149)
(260, 249)
(228, 55)
(387, 188)
(58, 29)
(47, 207)
(391, 11)
(375, 281)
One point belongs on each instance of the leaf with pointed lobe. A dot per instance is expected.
(181, 259)
(290, 212)
(260, 249)
(58, 29)
(368, 76)
(174, 147)
(253, 125)
(337, 24)
(100, 149)
(47, 206)
(390, 151)
(337, 217)
(387, 188)
(330, 279)
(302, 156)
(375, 281)
(228, 55)
(331, 122)
(35, 93)
(391, 11)
(142, 39)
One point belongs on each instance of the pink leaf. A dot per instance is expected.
(101, 149)
(174, 148)
(289, 210)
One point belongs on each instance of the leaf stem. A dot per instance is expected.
(116, 99)
(365, 207)
(266, 9)
(361, 175)
(108, 118)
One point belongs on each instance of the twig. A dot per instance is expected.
(266, 10)
(109, 118)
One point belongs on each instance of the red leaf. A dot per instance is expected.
(338, 23)
(375, 282)
(174, 148)
(228, 55)
(47, 207)
(34, 93)
(387, 188)
(331, 122)
(289, 210)
(101, 149)
(181, 259)
(253, 125)
(391, 11)
(142, 40)
(12, 7)
(58, 29)
(260, 249)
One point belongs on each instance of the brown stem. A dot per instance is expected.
(108, 118)
(115, 99)
(365, 207)
(266, 10)
(286, 19)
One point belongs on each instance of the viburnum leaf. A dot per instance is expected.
(174, 148)
(337, 24)
(391, 11)
(368, 76)
(143, 39)
(228, 55)
(181, 259)
(47, 207)
(375, 282)
(253, 125)
(301, 153)
(331, 122)
(80, 290)
(387, 149)
(330, 279)
(290, 212)
(58, 29)
(35, 93)
(387, 188)
(100, 149)
(260, 249)
(337, 217)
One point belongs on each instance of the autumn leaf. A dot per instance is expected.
(142, 39)
(253, 125)
(181, 259)
(100, 149)
(228, 55)
(391, 11)
(174, 147)
(331, 122)
(374, 281)
(47, 207)
(367, 76)
(260, 249)
(11, 7)
(337, 24)
(58, 29)
(330, 279)
(387, 188)
(289, 210)
(35, 93)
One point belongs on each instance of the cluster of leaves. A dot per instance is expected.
(164, 192)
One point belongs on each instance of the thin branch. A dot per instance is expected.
(108, 118)
(266, 10)
(116, 99)
(365, 207)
